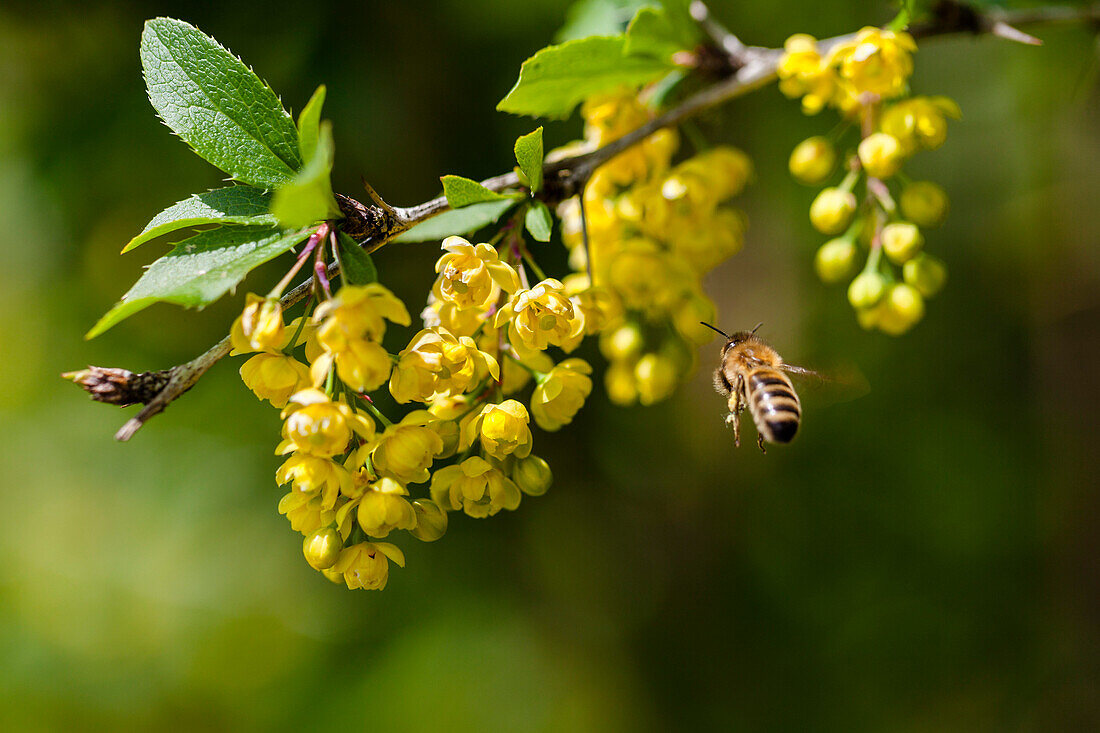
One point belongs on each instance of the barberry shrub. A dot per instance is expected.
(488, 363)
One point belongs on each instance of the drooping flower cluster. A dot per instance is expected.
(650, 231)
(350, 472)
(866, 80)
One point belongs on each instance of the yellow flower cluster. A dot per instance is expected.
(866, 79)
(349, 471)
(653, 230)
(874, 63)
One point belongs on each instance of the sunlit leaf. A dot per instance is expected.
(217, 105)
(201, 269)
(229, 205)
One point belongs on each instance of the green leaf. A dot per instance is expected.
(217, 105)
(229, 205)
(598, 18)
(309, 122)
(457, 221)
(538, 221)
(679, 18)
(463, 192)
(201, 269)
(651, 34)
(553, 81)
(529, 156)
(355, 264)
(308, 198)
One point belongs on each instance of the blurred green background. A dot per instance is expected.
(921, 558)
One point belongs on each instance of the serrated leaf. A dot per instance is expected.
(538, 221)
(308, 198)
(651, 34)
(457, 221)
(598, 18)
(309, 122)
(201, 269)
(355, 264)
(217, 105)
(555, 80)
(529, 156)
(229, 205)
(463, 192)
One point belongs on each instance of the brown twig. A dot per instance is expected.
(751, 68)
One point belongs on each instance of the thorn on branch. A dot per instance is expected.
(361, 221)
(1004, 30)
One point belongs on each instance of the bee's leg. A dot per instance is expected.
(735, 407)
(734, 419)
(760, 442)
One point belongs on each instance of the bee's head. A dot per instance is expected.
(735, 338)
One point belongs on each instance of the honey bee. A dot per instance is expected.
(752, 375)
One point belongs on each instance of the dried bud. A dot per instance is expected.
(120, 386)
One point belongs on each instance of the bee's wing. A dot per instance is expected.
(835, 385)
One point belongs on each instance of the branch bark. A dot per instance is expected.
(751, 67)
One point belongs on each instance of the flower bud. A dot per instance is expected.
(532, 475)
(812, 160)
(924, 203)
(832, 210)
(903, 307)
(925, 273)
(881, 155)
(322, 548)
(901, 241)
(656, 378)
(622, 343)
(866, 290)
(622, 387)
(835, 259)
(431, 521)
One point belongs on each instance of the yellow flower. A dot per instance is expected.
(366, 565)
(306, 512)
(357, 312)
(532, 475)
(471, 277)
(431, 521)
(881, 155)
(404, 451)
(542, 316)
(503, 430)
(474, 486)
(384, 508)
(322, 548)
(655, 378)
(317, 426)
(274, 377)
(876, 62)
(598, 305)
(362, 365)
(456, 320)
(310, 474)
(438, 363)
(561, 393)
(259, 327)
(920, 122)
(647, 278)
(804, 73)
(515, 371)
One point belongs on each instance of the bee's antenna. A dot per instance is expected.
(715, 329)
(756, 327)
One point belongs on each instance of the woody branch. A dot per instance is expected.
(744, 69)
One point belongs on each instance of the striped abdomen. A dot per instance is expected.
(774, 405)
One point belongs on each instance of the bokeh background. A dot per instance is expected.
(924, 557)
